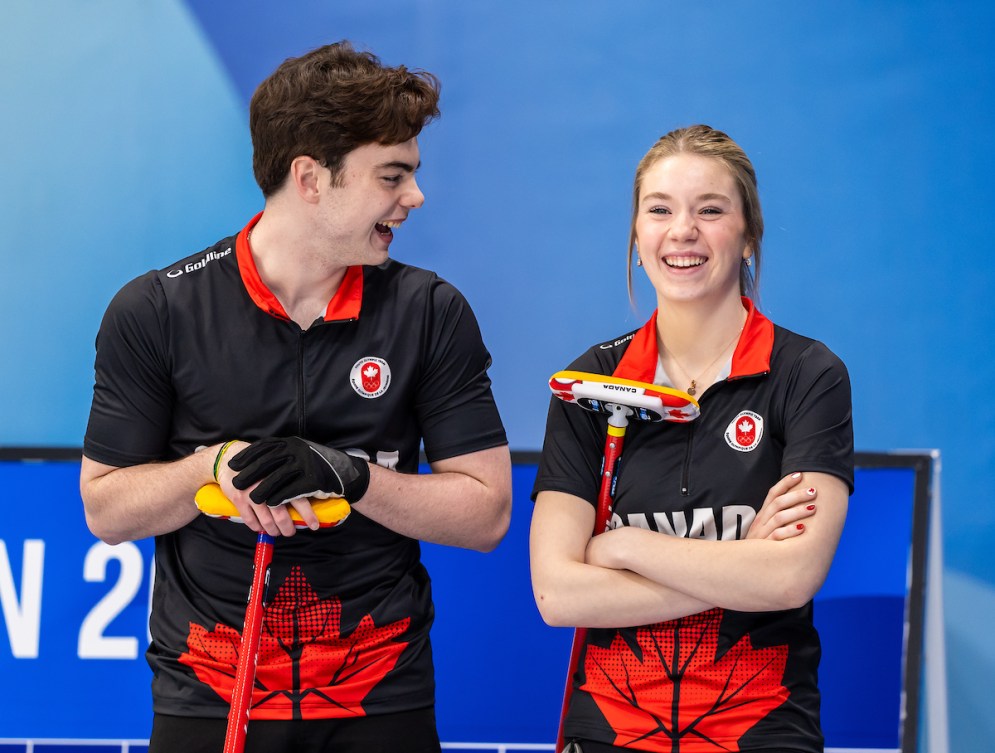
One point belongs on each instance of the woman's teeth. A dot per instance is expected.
(684, 261)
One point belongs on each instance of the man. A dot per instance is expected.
(290, 361)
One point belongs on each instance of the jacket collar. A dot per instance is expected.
(344, 306)
(751, 357)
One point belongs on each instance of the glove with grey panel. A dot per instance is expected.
(290, 468)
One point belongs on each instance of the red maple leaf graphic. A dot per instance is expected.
(306, 668)
(677, 696)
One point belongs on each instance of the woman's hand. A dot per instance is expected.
(788, 503)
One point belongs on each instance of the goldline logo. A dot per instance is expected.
(193, 266)
(616, 343)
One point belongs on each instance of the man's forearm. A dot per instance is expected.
(464, 502)
(125, 504)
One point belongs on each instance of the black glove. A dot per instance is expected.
(292, 468)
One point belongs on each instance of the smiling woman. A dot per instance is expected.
(683, 601)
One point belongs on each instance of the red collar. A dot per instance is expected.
(344, 306)
(751, 357)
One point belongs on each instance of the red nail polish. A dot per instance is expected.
(800, 526)
(810, 507)
(810, 491)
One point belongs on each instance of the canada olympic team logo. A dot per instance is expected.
(745, 431)
(370, 377)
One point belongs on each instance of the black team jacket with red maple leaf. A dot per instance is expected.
(720, 680)
(202, 352)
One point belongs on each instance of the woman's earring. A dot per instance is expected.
(639, 261)
(748, 262)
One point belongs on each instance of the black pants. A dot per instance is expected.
(408, 732)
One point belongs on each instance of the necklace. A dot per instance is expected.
(693, 387)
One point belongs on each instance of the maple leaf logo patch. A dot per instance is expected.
(306, 668)
(672, 693)
(745, 431)
(370, 377)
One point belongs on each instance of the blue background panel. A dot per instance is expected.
(500, 669)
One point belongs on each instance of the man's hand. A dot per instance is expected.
(290, 468)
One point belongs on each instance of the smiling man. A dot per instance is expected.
(295, 360)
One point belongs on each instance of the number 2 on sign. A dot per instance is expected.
(22, 604)
(93, 644)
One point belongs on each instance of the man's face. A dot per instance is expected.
(376, 190)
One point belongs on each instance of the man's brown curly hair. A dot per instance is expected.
(328, 102)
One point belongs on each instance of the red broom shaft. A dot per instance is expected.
(609, 469)
(245, 674)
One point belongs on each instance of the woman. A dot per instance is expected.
(700, 595)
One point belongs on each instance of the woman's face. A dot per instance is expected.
(690, 229)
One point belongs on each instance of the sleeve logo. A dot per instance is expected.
(193, 266)
(745, 431)
(370, 377)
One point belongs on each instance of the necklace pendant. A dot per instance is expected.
(691, 390)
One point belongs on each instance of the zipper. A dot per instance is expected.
(301, 399)
(686, 470)
(301, 381)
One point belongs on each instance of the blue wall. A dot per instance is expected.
(125, 147)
